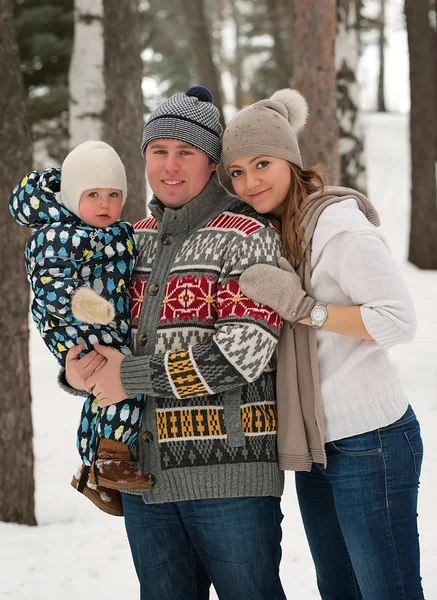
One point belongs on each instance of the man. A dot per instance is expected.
(202, 355)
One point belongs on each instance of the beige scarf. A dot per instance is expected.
(301, 428)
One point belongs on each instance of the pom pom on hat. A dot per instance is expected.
(296, 106)
(200, 92)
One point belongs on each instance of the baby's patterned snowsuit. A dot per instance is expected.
(62, 254)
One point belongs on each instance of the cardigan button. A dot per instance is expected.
(153, 289)
(151, 478)
(167, 239)
(147, 436)
(142, 339)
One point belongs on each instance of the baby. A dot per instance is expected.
(79, 260)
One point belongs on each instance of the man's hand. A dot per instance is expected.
(105, 383)
(77, 370)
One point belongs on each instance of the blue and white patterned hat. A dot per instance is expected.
(192, 118)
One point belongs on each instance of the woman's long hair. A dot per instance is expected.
(303, 184)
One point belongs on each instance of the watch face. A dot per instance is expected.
(319, 313)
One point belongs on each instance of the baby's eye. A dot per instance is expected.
(93, 194)
(114, 194)
(235, 173)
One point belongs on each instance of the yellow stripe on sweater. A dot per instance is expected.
(184, 375)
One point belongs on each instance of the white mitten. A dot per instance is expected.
(87, 306)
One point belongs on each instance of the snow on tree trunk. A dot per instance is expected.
(16, 433)
(124, 108)
(87, 88)
(314, 75)
(351, 148)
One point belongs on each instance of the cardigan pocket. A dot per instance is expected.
(232, 418)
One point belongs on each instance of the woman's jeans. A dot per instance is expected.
(360, 514)
(178, 547)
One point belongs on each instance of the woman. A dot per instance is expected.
(344, 422)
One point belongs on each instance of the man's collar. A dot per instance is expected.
(211, 201)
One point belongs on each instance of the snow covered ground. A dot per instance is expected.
(77, 551)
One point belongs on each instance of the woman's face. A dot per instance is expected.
(261, 181)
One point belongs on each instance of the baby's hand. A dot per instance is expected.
(87, 306)
(77, 370)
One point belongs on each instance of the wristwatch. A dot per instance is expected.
(318, 315)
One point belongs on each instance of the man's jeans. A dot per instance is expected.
(360, 514)
(178, 547)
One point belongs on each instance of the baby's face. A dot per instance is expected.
(100, 207)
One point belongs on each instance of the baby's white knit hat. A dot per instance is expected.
(91, 165)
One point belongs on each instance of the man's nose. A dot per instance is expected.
(172, 163)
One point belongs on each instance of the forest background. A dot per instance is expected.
(94, 69)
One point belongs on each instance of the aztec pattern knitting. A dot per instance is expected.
(203, 352)
(62, 254)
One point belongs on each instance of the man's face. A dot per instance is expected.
(177, 172)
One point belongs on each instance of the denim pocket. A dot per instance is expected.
(415, 443)
(359, 445)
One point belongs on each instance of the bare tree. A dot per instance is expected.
(314, 75)
(351, 147)
(276, 14)
(16, 432)
(381, 47)
(421, 44)
(237, 65)
(201, 47)
(124, 111)
(105, 88)
(86, 83)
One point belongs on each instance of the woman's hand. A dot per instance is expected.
(77, 370)
(105, 383)
(281, 289)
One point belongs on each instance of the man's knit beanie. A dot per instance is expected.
(192, 118)
(91, 165)
(268, 127)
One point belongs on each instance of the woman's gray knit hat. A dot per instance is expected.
(192, 118)
(268, 127)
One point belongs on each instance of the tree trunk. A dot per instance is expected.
(314, 75)
(124, 109)
(201, 49)
(423, 232)
(280, 54)
(237, 64)
(16, 433)
(351, 147)
(86, 84)
(381, 46)
(288, 24)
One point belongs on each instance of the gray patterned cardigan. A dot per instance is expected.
(203, 352)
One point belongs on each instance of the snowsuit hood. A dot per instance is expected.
(33, 201)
